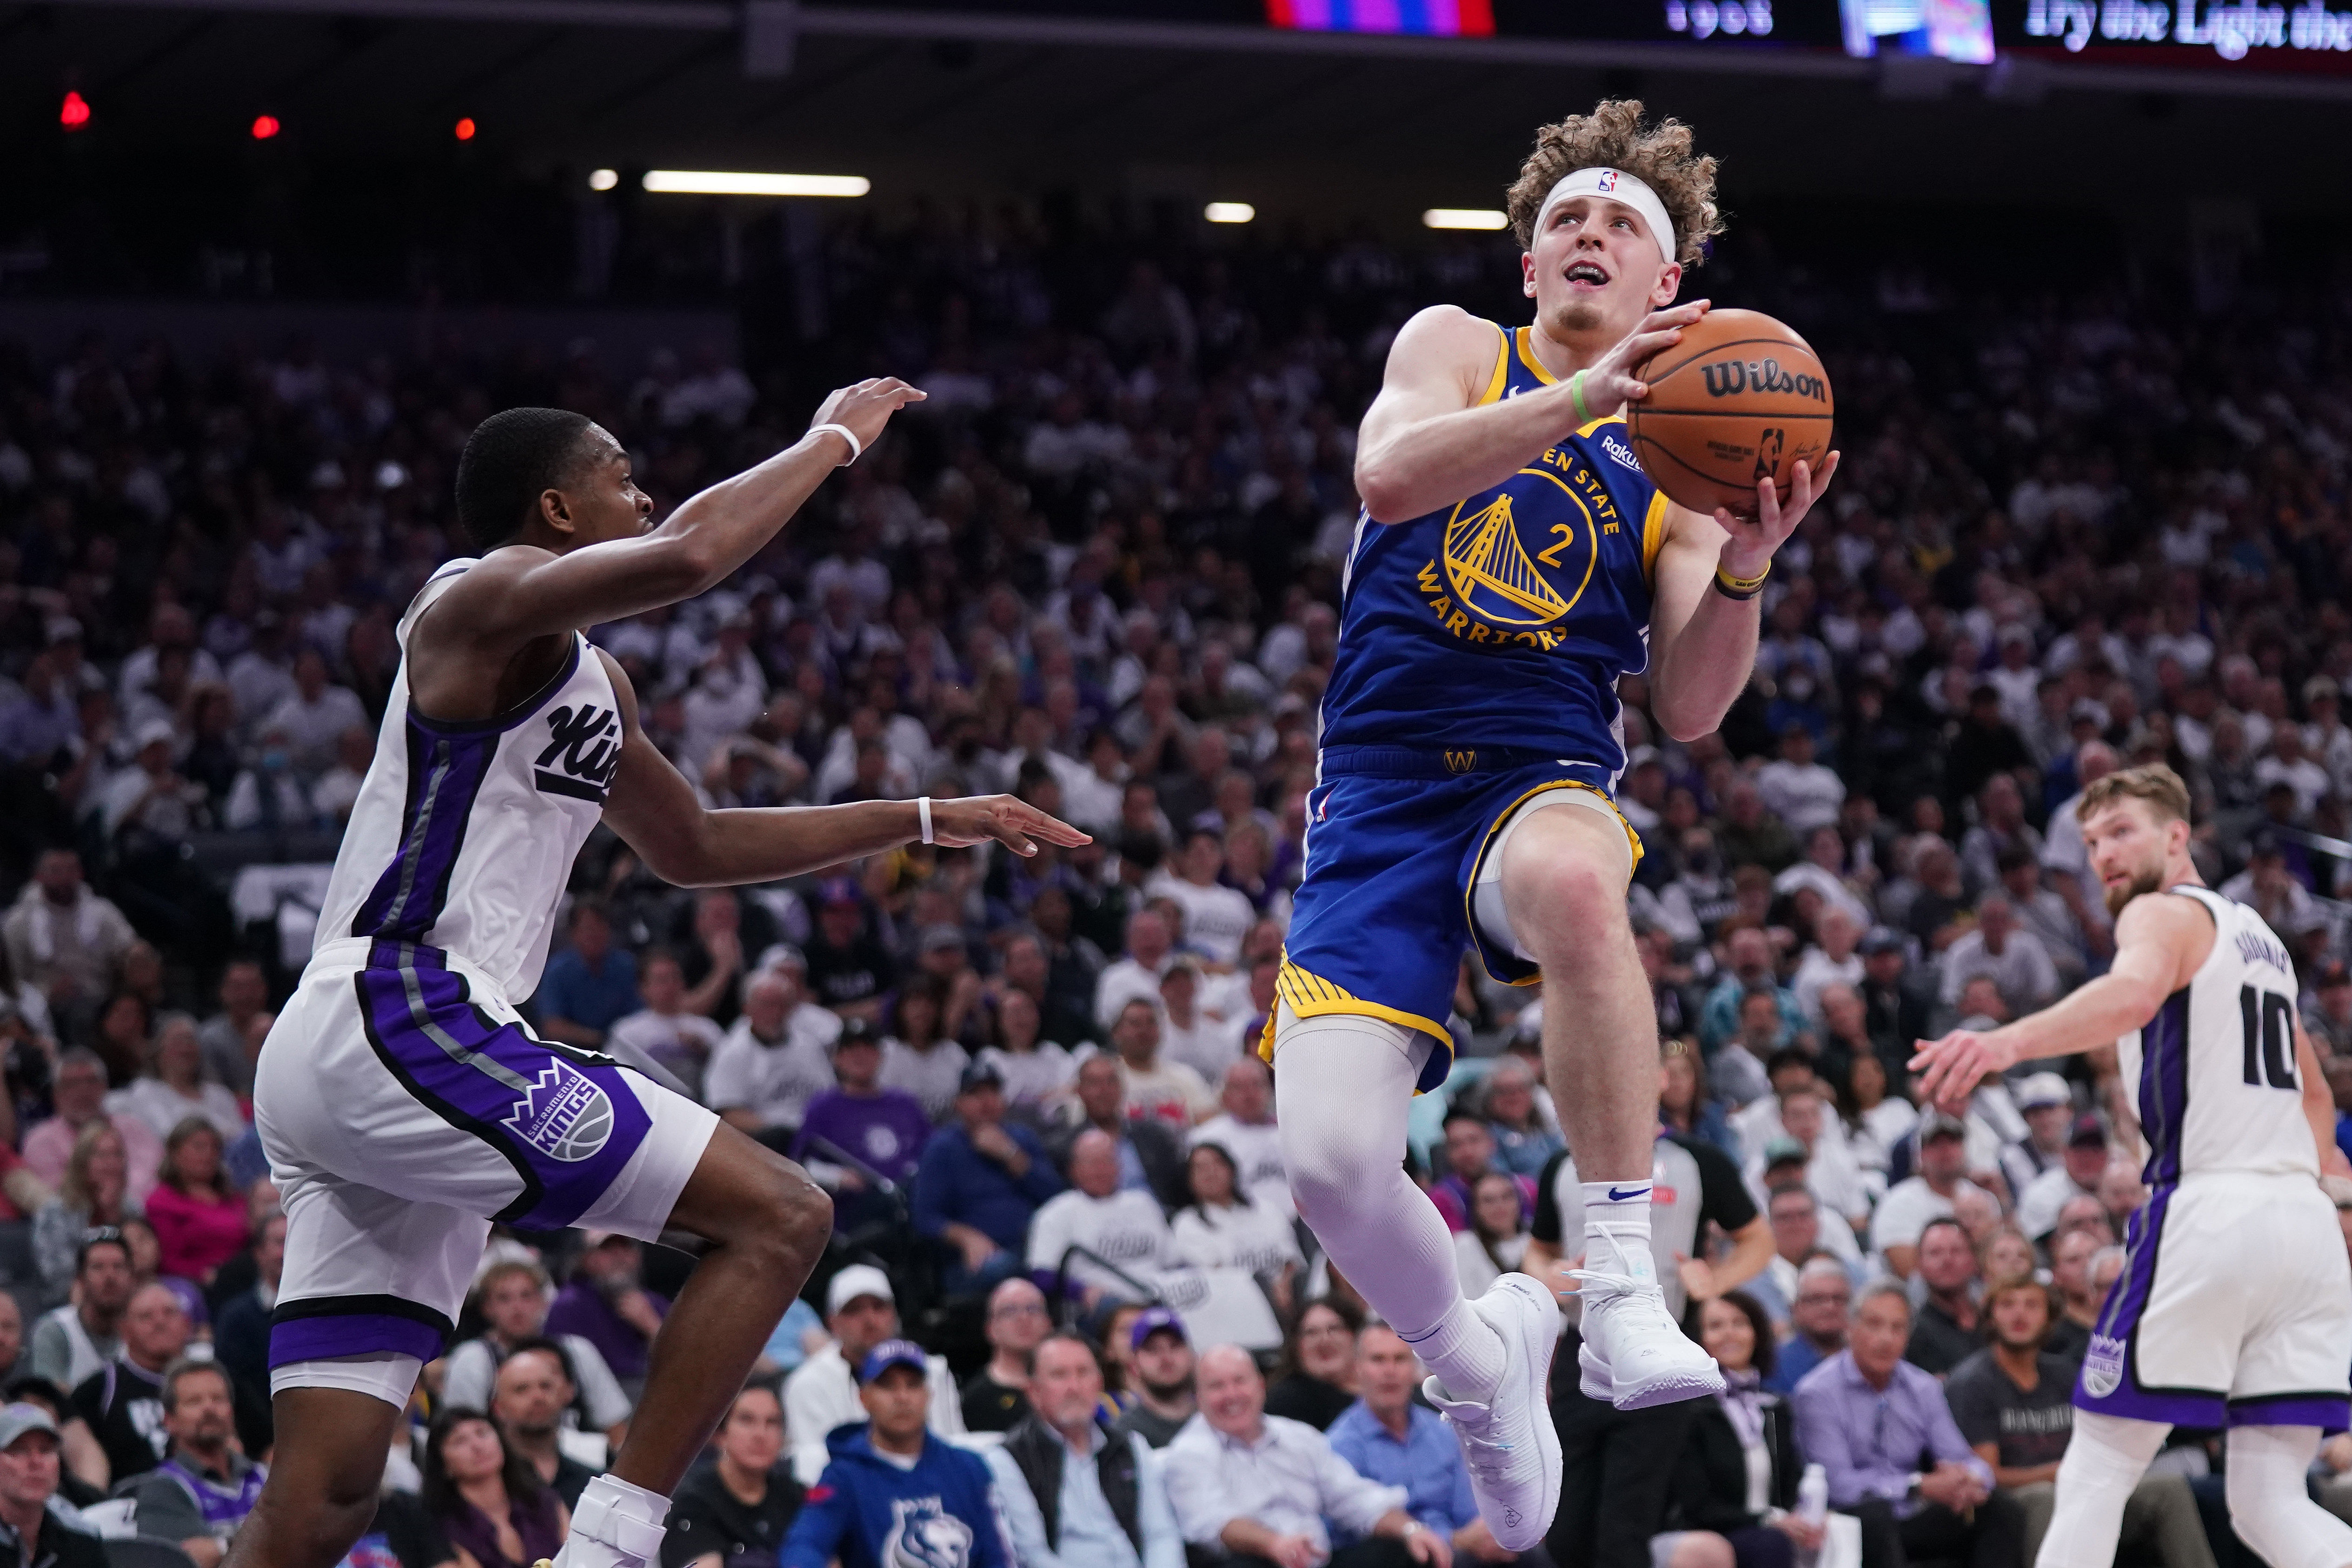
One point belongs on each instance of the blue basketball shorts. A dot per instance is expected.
(405, 1107)
(1396, 840)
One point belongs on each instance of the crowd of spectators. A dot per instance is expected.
(1099, 568)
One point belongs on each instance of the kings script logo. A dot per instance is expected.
(584, 748)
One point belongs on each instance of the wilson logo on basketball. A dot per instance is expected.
(1728, 377)
(584, 748)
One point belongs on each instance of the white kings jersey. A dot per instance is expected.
(464, 834)
(2215, 1069)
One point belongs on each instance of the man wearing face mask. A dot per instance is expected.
(269, 797)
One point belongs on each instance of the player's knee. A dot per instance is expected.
(1565, 899)
(1700, 1549)
(793, 1214)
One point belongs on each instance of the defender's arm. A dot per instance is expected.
(517, 596)
(1427, 441)
(1702, 642)
(657, 815)
(2159, 942)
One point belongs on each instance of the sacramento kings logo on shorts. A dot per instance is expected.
(2103, 1367)
(565, 1116)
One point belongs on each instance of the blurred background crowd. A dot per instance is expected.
(1100, 568)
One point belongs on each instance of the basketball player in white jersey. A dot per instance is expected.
(403, 1104)
(2235, 1306)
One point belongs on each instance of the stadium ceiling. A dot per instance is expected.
(948, 102)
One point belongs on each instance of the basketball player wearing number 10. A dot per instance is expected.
(2234, 1307)
(1513, 561)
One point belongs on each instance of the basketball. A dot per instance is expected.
(1739, 397)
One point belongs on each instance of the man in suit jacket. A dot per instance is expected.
(1150, 1152)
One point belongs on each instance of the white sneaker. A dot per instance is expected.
(1510, 1443)
(1635, 1355)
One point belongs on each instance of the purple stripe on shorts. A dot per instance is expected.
(2164, 1087)
(2110, 1383)
(353, 1334)
(2328, 1412)
(571, 1121)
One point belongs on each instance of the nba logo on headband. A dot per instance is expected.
(1608, 179)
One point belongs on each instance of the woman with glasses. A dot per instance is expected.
(1321, 1357)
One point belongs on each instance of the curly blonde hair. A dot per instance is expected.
(1613, 137)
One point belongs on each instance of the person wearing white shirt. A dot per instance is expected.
(1187, 1035)
(2075, 1175)
(1799, 790)
(860, 1312)
(1149, 949)
(1832, 960)
(663, 1032)
(776, 1058)
(315, 715)
(174, 1088)
(1245, 1130)
(1121, 1228)
(1224, 1227)
(2002, 949)
(1909, 1204)
(1065, 1445)
(1263, 1485)
(1216, 918)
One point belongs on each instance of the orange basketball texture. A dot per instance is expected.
(1739, 397)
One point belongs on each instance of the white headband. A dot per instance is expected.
(1618, 186)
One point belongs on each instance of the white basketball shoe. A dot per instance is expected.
(1510, 1443)
(1635, 1355)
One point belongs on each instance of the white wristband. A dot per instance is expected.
(923, 815)
(857, 448)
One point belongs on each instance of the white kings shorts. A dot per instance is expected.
(2234, 1309)
(405, 1107)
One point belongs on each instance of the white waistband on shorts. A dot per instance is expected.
(348, 952)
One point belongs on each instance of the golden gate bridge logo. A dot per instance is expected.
(1495, 578)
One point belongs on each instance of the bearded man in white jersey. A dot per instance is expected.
(2234, 1307)
(404, 1103)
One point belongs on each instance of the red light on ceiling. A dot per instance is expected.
(74, 114)
(265, 126)
(465, 128)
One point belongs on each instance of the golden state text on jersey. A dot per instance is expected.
(1505, 619)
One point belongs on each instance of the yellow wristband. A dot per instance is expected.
(1576, 396)
(1740, 587)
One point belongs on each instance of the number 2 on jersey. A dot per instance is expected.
(2270, 1035)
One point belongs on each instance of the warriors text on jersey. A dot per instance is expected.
(1505, 619)
(2235, 1303)
(1480, 649)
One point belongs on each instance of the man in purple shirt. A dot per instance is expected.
(604, 1304)
(860, 1124)
(1894, 1456)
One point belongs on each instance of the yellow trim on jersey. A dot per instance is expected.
(1502, 376)
(1527, 358)
(1654, 535)
(1310, 997)
(1486, 843)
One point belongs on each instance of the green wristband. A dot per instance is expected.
(1576, 396)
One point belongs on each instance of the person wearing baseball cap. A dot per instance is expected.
(1940, 1176)
(2076, 1174)
(29, 1532)
(861, 1312)
(890, 1492)
(1163, 1377)
(2048, 1106)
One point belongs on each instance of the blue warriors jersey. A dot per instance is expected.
(1505, 619)
(1479, 652)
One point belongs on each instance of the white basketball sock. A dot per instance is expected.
(1617, 1229)
(2268, 1505)
(2104, 1461)
(1342, 1083)
(617, 1525)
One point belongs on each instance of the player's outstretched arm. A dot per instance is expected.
(683, 842)
(2159, 942)
(1703, 643)
(517, 596)
(1426, 440)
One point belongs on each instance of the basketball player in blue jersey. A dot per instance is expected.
(404, 1103)
(1512, 563)
(2234, 1307)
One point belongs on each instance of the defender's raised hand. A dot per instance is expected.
(976, 819)
(865, 409)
